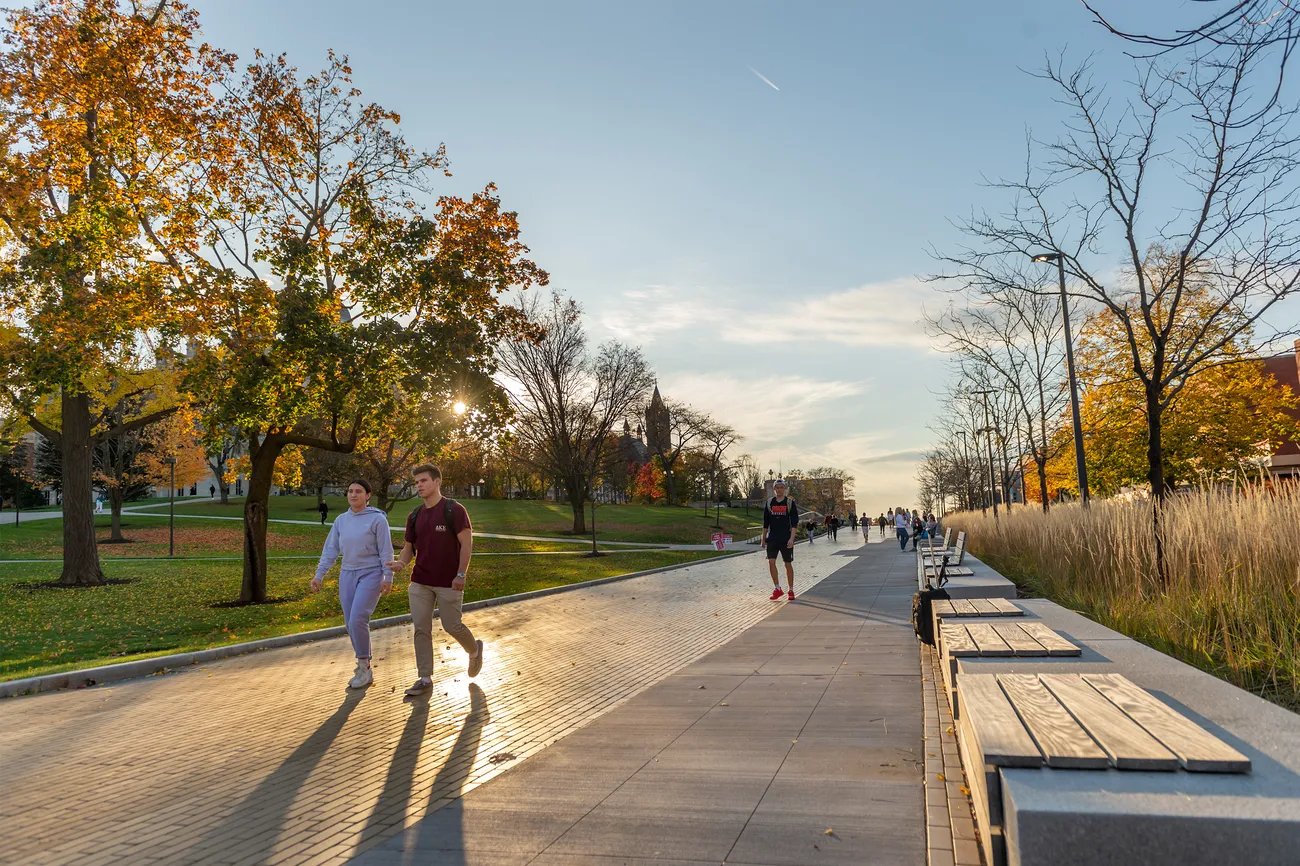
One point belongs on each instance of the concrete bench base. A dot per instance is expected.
(1069, 817)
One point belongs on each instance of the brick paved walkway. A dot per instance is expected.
(266, 758)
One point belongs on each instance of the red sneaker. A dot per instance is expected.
(776, 594)
(789, 595)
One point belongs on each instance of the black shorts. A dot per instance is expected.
(773, 547)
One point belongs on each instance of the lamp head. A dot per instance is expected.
(1046, 257)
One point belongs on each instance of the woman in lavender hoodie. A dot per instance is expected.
(362, 537)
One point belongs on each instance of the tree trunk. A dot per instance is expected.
(80, 553)
(115, 497)
(262, 458)
(577, 501)
(1156, 477)
(224, 490)
(1042, 480)
(670, 483)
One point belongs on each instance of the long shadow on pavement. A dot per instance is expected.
(439, 836)
(266, 807)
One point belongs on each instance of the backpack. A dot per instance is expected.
(448, 519)
(923, 604)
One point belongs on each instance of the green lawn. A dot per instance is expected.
(147, 537)
(170, 606)
(643, 523)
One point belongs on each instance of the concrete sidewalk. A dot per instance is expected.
(798, 742)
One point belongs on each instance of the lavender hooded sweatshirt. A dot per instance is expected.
(364, 541)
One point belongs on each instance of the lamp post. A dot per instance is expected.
(965, 457)
(987, 430)
(171, 507)
(1080, 466)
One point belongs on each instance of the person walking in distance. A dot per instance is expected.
(902, 528)
(882, 523)
(780, 519)
(440, 539)
(324, 510)
(362, 537)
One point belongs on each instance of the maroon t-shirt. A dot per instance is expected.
(437, 553)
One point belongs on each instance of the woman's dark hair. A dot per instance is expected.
(362, 483)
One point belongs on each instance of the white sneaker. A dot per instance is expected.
(363, 677)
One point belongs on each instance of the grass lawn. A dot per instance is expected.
(644, 523)
(147, 537)
(176, 606)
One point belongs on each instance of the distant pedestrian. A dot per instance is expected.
(835, 528)
(362, 537)
(812, 530)
(99, 505)
(902, 528)
(882, 522)
(780, 518)
(918, 527)
(440, 539)
(212, 491)
(324, 509)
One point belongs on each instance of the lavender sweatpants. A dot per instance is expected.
(359, 594)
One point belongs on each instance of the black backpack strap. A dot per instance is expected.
(410, 525)
(449, 518)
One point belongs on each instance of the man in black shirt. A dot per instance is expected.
(780, 517)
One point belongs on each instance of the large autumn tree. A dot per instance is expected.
(345, 305)
(110, 134)
(1213, 427)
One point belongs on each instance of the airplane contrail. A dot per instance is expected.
(766, 80)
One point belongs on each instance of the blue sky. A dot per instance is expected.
(761, 245)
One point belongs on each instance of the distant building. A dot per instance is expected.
(1284, 461)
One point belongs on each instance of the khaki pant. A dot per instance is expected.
(423, 599)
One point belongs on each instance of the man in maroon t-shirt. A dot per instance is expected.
(441, 544)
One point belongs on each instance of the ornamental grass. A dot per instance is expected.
(1230, 600)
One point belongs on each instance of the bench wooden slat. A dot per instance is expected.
(1006, 608)
(952, 571)
(1019, 641)
(1060, 738)
(987, 640)
(957, 641)
(1129, 745)
(942, 607)
(985, 607)
(1051, 641)
(1003, 740)
(1197, 749)
(962, 607)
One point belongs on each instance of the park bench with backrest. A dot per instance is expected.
(955, 554)
(1069, 723)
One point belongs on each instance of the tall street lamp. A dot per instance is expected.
(988, 430)
(965, 459)
(171, 507)
(1079, 465)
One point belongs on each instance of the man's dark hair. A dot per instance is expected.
(427, 469)
(362, 483)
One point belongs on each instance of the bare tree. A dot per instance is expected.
(1193, 283)
(670, 432)
(1010, 328)
(569, 402)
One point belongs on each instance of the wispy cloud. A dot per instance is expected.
(766, 80)
(767, 410)
(874, 315)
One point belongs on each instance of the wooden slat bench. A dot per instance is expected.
(1066, 722)
(956, 639)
